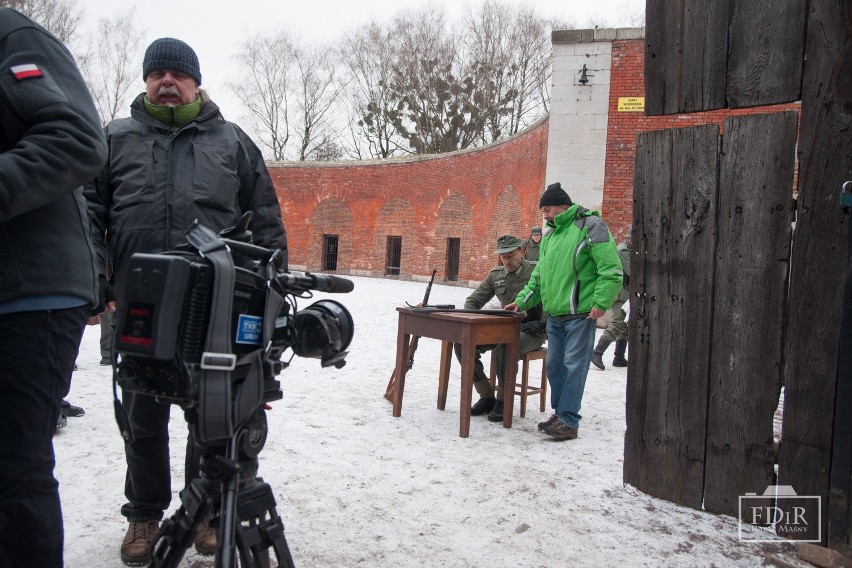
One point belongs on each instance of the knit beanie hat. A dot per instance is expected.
(554, 195)
(171, 53)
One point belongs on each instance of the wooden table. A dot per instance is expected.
(469, 330)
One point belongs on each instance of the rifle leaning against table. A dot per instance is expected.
(412, 345)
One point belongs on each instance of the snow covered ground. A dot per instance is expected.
(358, 487)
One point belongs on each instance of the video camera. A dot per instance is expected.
(205, 326)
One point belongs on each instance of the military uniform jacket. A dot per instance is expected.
(51, 142)
(503, 284)
(623, 250)
(157, 182)
(532, 250)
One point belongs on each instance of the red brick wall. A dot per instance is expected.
(627, 80)
(474, 195)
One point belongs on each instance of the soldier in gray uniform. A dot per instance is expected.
(533, 243)
(505, 282)
(617, 329)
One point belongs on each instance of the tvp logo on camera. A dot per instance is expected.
(780, 511)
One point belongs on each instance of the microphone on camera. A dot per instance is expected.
(319, 282)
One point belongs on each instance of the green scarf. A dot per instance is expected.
(174, 117)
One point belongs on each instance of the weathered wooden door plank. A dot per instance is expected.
(750, 292)
(671, 315)
(685, 53)
(765, 53)
(819, 253)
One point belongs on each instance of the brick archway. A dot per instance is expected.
(331, 217)
(455, 220)
(396, 218)
(506, 217)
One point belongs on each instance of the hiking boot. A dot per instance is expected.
(69, 409)
(206, 542)
(483, 406)
(496, 414)
(136, 546)
(560, 431)
(542, 425)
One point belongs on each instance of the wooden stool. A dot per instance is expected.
(525, 389)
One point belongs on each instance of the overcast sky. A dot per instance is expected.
(216, 33)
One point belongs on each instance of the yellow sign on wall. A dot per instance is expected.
(631, 104)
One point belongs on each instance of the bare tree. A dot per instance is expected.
(327, 150)
(440, 89)
(269, 66)
(436, 105)
(487, 56)
(531, 69)
(315, 94)
(111, 64)
(635, 16)
(60, 17)
(368, 57)
(507, 51)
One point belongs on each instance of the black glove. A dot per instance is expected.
(534, 326)
(533, 314)
(105, 294)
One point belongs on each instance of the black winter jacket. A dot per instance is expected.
(51, 142)
(158, 181)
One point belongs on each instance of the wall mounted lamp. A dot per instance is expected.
(584, 76)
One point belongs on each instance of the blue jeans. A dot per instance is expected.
(37, 353)
(569, 352)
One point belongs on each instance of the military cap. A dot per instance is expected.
(508, 243)
(535, 231)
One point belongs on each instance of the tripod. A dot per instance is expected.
(243, 508)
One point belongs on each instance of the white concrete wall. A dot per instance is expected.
(576, 148)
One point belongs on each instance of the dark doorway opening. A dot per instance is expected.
(329, 252)
(453, 248)
(393, 257)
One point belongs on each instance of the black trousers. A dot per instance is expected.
(148, 483)
(37, 353)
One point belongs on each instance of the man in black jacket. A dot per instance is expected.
(176, 159)
(51, 142)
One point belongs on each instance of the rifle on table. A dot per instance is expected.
(412, 345)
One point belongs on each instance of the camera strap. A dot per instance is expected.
(215, 420)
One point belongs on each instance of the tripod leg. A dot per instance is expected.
(226, 556)
(261, 528)
(178, 532)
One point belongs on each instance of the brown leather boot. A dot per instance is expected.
(206, 541)
(136, 546)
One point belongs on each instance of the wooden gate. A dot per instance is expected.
(715, 329)
(708, 295)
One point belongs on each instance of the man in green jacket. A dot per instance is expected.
(577, 278)
(504, 282)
